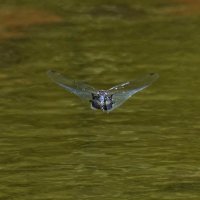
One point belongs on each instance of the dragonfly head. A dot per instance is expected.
(102, 100)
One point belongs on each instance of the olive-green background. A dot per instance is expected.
(54, 147)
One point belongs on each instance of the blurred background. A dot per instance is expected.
(52, 146)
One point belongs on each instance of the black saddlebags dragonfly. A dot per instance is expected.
(105, 100)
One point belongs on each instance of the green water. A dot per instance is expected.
(54, 147)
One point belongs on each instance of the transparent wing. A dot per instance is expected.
(120, 93)
(78, 88)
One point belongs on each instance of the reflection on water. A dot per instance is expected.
(52, 146)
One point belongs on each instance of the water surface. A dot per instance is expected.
(52, 146)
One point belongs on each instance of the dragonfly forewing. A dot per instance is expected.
(120, 93)
(78, 88)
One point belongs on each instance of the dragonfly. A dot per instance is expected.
(105, 100)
